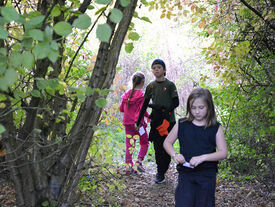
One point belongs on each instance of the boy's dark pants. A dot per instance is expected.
(195, 190)
(162, 158)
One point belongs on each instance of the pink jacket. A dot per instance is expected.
(131, 114)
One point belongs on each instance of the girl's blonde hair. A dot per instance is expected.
(137, 78)
(205, 94)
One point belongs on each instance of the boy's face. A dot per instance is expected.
(158, 71)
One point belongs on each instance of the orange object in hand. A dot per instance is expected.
(163, 128)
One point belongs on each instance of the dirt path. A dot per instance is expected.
(142, 191)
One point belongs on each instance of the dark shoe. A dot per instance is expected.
(159, 179)
(131, 171)
(140, 167)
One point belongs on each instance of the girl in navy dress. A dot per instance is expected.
(202, 145)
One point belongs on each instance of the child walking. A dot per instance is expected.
(163, 94)
(131, 103)
(199, 135)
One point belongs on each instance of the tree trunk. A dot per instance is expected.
(89, 114)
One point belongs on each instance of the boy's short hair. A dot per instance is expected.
(160, 62)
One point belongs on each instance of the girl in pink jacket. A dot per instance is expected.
(131, 104)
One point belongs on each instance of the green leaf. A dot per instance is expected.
(45, 204)
(90, 7)
(3, 21)
(101, 102)
(35, 20)
(82, 22)
(53, 83)
(103, 1)
(3, 51)
(3, 33)
(9, 13)
(36, 93)
(28, 59)
(41, 50)
(2, 129)
(37, 34)
(101, 10)
(116, 16)
(53, 56)
(16, 59)
(56, 11)
(62, 28)
(144, 2)
(133, 36)
(10, 76)
(48, 33)
(125, 3)
(3, 63)
(129, 47)
(103, 32)
(27, 43)
(41, 83)
(19, 94)
(54, 45)
(89, 91)
(3, 84)
(146, 19)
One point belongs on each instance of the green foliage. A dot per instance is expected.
(3, 33)
(124, 3)
(62, 28)
(116, 15)
(2, 129)
(103, 32)
(245, 95)
(82, 22)
(129, 47)
(101, 102)
(103, 1)
(102, 182)
(9, 13)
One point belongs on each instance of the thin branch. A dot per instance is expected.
(80, 46)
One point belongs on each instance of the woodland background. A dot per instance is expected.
(65, 64)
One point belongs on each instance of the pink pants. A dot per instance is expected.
(143, 142)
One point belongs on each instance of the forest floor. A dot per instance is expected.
(141, 191)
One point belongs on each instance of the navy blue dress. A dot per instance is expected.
(196, 187)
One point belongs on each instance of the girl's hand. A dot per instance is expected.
(195, 161)
(178, 158)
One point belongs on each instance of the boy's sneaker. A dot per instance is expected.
(159, 179)
(140, 167)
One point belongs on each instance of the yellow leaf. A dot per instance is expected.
(2, 105)
(132, 141)
(136, 137)
(107, 122)
(201, 24)
(128, 135)
(3, 152)
(194, 20)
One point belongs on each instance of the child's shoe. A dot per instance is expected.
(130, 171)
(140, 167)
(159, 178)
